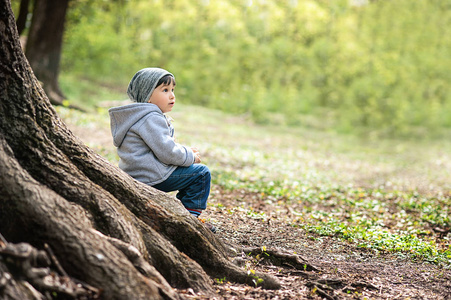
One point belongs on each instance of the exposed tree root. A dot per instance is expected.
(32, 269)
(279, 258)
(332, 288)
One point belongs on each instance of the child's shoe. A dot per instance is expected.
(208, 225)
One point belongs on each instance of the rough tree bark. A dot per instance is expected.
(55, 190)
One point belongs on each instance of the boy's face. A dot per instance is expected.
(163, 96)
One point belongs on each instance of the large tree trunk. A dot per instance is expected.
(44, 44)
(55, 190)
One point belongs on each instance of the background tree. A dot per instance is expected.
(55, 190)
(23, 15)
(44, 43)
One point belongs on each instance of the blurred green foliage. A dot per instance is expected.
(351, 66)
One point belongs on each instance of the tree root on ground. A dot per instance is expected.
(25, 272)
(331, 288)
(279, 258)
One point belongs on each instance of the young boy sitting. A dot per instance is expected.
(145, 143)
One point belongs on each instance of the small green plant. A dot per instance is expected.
(257, 281)
(221, 280)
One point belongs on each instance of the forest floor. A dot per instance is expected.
(374, 224)
(344, 270)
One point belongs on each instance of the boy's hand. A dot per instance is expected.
(196, 155)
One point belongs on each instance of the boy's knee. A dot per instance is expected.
(204, 170)
(207, 170)
(207, 173)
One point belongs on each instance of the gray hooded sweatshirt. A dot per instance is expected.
(145, 143)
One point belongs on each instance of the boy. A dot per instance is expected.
(145, 143)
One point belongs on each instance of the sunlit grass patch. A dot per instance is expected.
(74, 117)
(87, 92)
(380, 239)
(384, 220)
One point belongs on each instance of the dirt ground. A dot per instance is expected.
(343, 270)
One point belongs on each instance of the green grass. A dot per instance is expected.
(386, 195)
(88, 93)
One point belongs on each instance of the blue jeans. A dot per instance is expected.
(193, 184)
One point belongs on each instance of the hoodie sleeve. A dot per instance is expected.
(155, 132)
